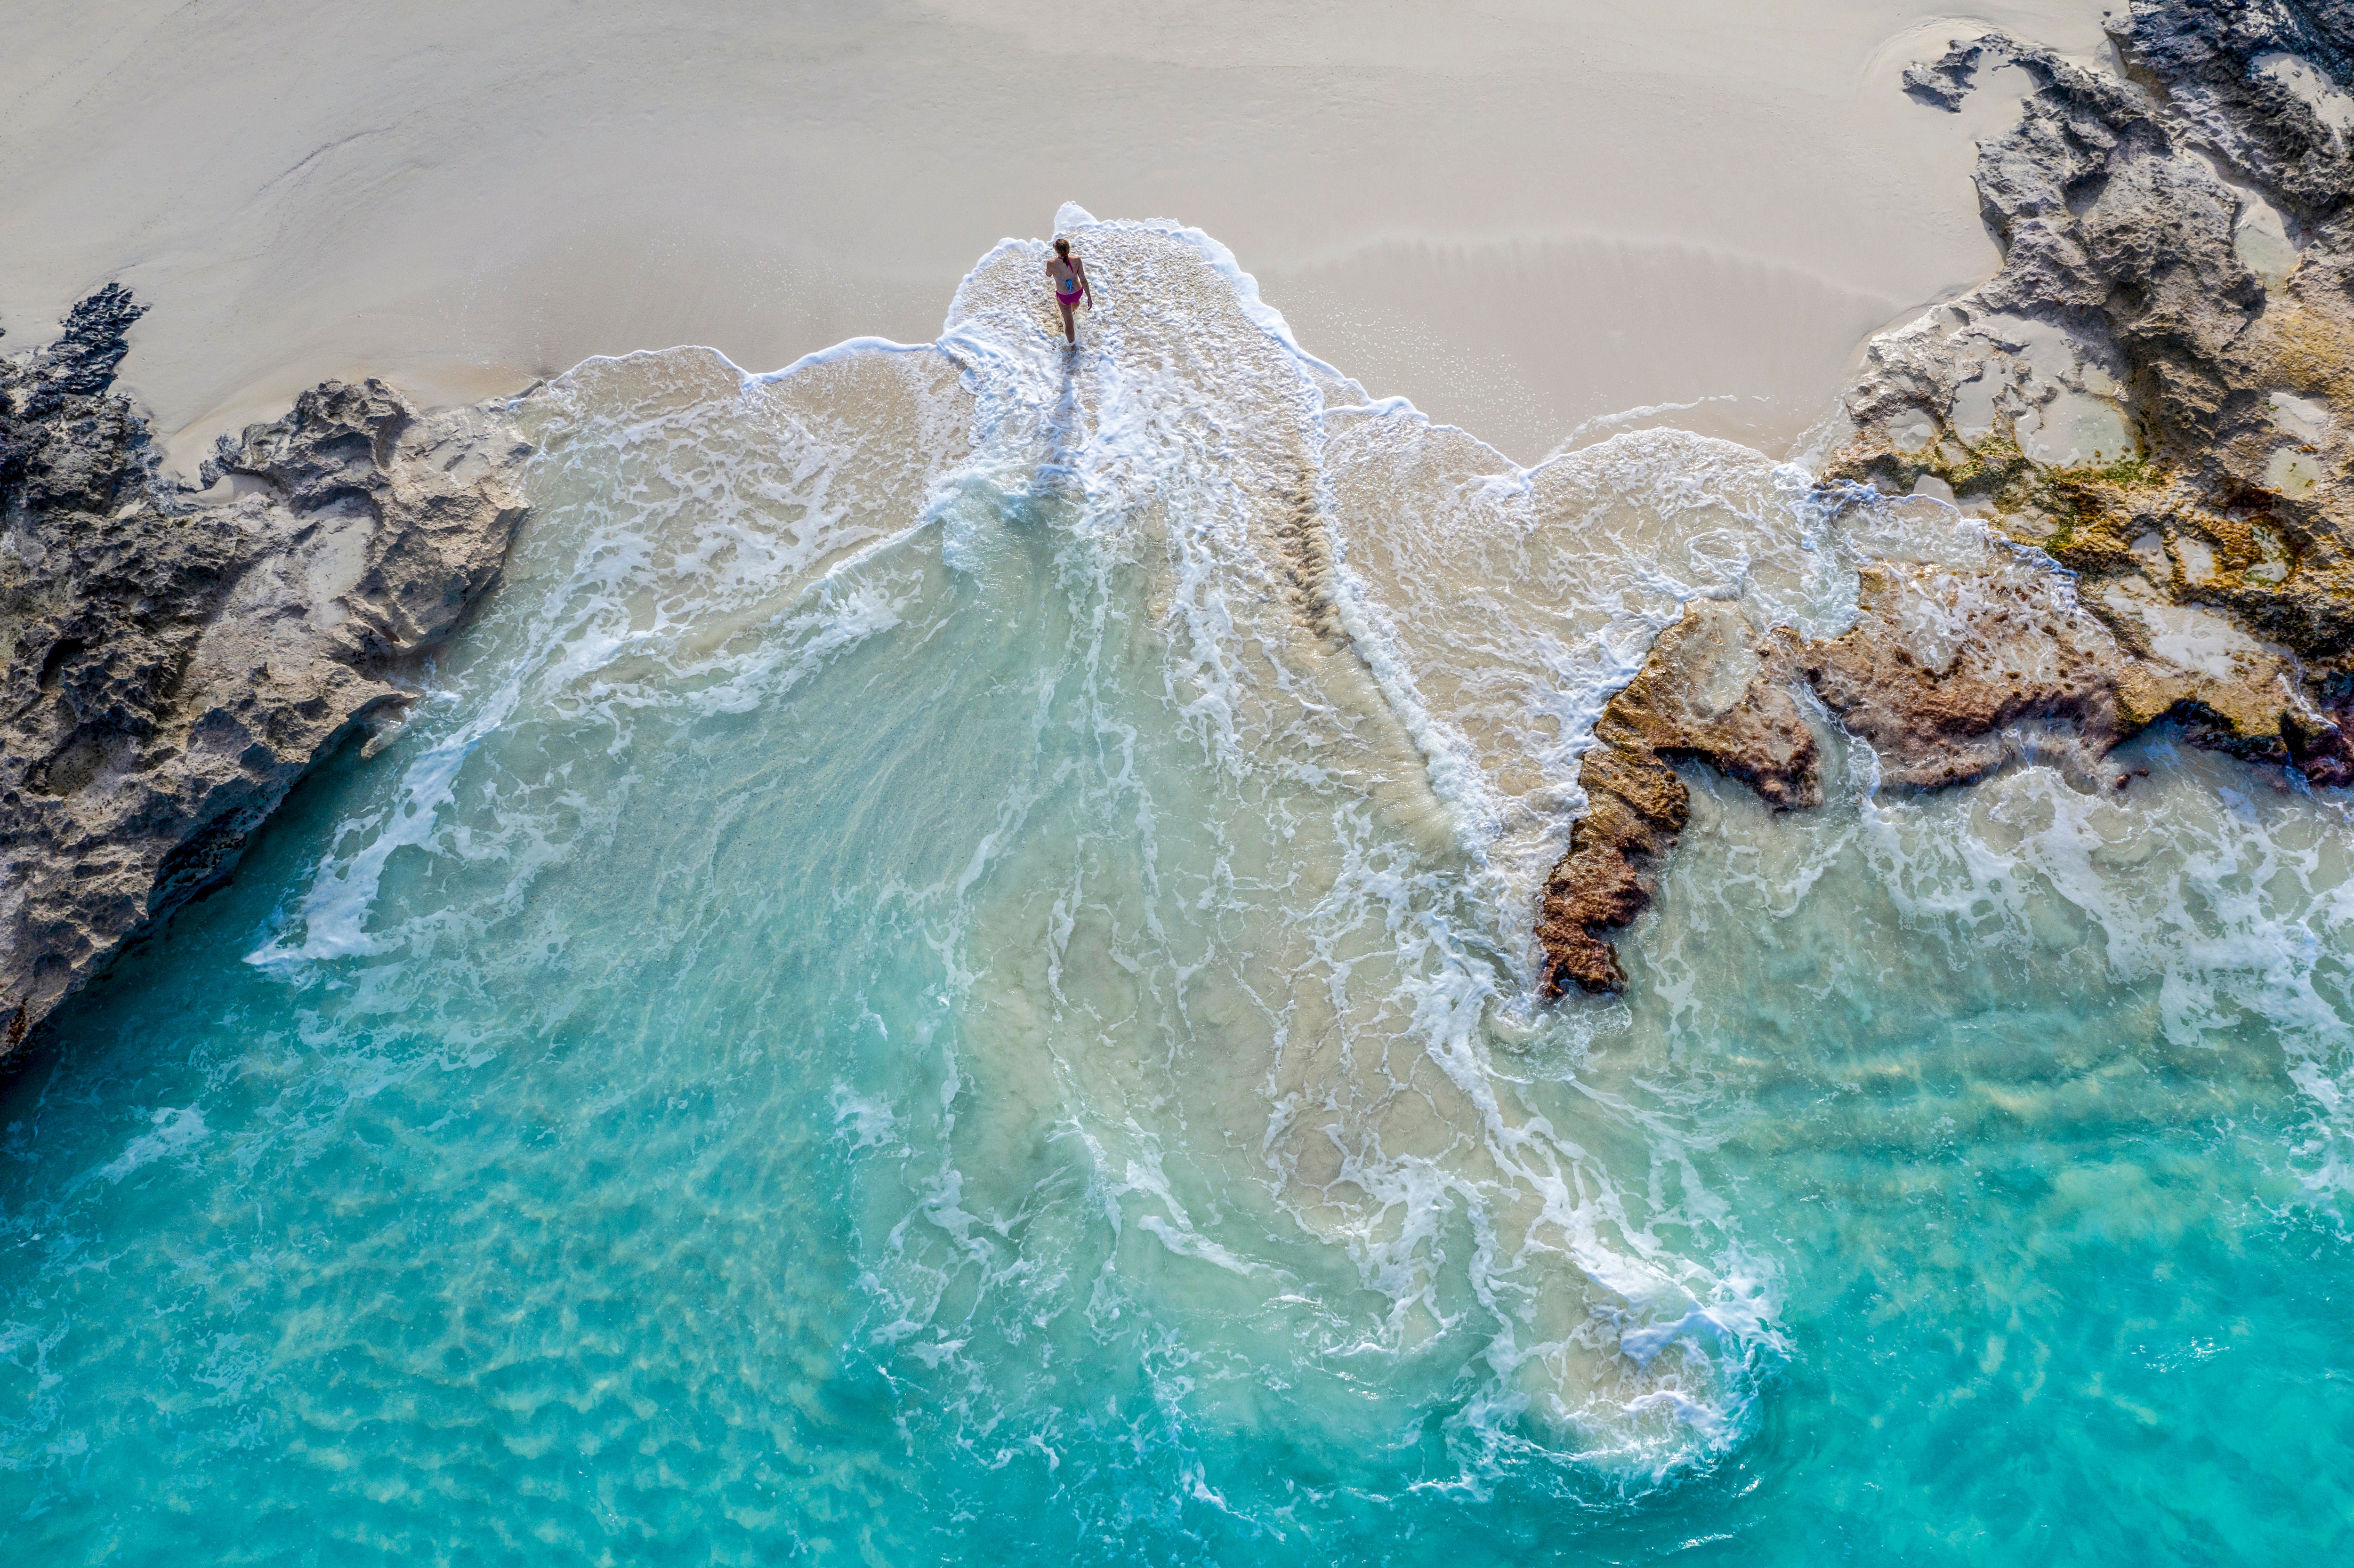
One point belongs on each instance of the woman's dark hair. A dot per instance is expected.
(1062, 248)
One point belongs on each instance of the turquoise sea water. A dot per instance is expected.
(943, 975)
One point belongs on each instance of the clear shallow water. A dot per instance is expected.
(922, 990)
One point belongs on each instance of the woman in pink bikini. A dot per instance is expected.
(1070, 277)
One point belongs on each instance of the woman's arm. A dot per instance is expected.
(1080, 268)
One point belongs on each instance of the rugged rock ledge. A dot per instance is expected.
(1708, 693)
(2155, 396)
(170, 662)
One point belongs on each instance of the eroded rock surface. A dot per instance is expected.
(172, 662)
(2159, 382)
(1705, 694)
(2155, 393)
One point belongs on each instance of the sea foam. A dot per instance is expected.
(997, 878)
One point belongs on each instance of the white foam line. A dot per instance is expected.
(641, 353)
(1027, 247)
(1396, 406)
(845, 349)
(1512, 478)
(1384, 408)
(1648, 410)
(1516, 480)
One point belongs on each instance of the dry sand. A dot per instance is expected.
(1524, 218)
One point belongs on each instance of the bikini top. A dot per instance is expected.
(1068, 287)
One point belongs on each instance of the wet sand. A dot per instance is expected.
(1526, 220)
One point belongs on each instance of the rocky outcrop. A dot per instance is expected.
(170, 662)
(2155, 395)
(2159, 382)
(1706, 695)
(1948, 674)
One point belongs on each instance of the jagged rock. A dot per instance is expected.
(2156, 392)
(1949, 673)
(1705, 694)
(171, 662)
(2158, 384)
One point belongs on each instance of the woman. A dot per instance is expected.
(1070, 276)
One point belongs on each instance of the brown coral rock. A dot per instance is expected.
(1948, 674)
(1705, 694)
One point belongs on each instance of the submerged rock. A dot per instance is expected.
(170, 662)
(2154, 395)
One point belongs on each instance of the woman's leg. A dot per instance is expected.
(1070, 330)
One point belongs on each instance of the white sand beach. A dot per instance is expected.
(1523, 216)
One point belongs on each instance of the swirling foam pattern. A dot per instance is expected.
(943, 975)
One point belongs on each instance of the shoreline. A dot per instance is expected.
(462, 203)
(2145, 410)
(981, 948)
(1600, 883)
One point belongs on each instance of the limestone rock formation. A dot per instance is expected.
(170, 662)
(2155, 393)
(2159, 382)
